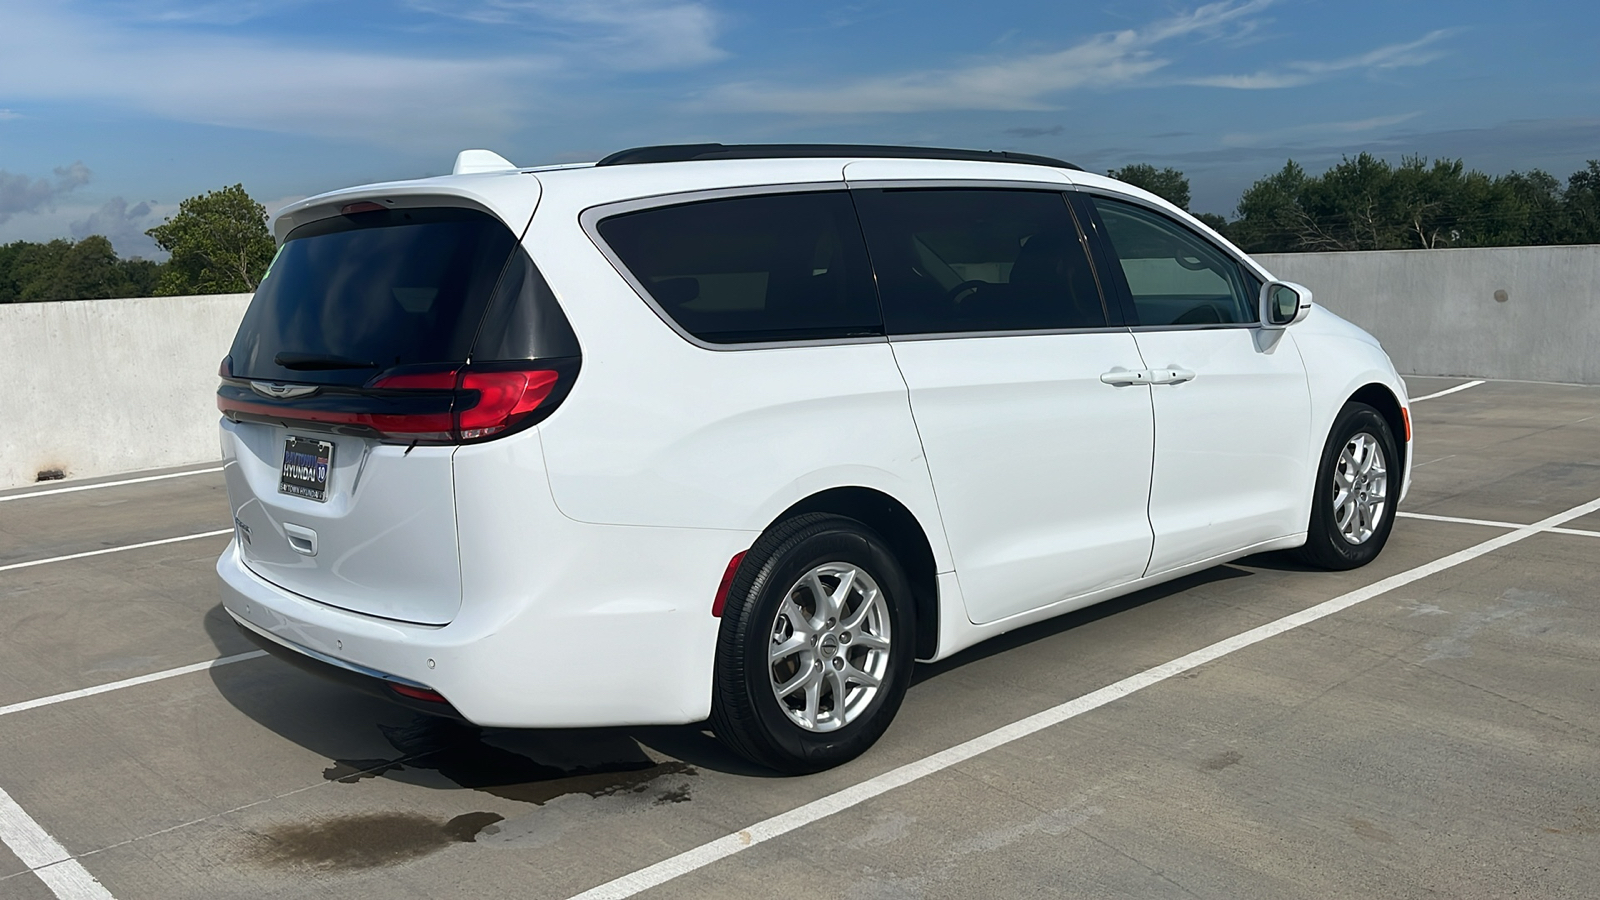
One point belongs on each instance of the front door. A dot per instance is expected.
(1041, 466)
(1232, 409)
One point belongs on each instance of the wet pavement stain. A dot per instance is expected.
(364, 841)
(458, 751)
(1221, 761)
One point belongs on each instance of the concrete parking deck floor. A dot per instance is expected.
(1440, 739)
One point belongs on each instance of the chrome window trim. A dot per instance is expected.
(1030, 332)
(1238, 256)
(590, 220)
(895, 184)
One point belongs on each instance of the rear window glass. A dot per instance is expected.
(953, 260)
(767, 268)
(352, 295)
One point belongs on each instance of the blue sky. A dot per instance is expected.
(111, 111)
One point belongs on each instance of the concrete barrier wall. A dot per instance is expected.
(1524, 313)
(96, 387)
(93, 387)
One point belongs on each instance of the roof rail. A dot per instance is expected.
(687, 152)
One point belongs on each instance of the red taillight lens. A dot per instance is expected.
(503, 399)
(351, 209)
(471, 403)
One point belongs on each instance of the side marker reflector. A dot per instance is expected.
(1406, 415)
(727, 582)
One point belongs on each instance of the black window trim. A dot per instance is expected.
(1105, 255)
(591, 218)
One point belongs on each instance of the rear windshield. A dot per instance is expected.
(352, 295)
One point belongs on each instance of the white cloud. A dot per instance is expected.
(22, 194)
(1355, 126)
(631, 35)
(46, 53)
(1013, 82)
(7, 114)
(123, 226)
(1294, 74)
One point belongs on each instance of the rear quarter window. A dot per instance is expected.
(773, 267)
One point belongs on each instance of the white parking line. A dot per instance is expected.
(172, 540)
(1494, 524)
(783, 823)
(44, 856)
(1459, 387)
(128, 682)
(72, 489)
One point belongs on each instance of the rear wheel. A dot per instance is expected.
(1358, 484)
(816, 646)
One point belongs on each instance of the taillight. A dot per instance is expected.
(461, 403)
(504, 399)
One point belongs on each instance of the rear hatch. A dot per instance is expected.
(379, 341)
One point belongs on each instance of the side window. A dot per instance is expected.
(765, 268)
(951, 260)
(1175, 276)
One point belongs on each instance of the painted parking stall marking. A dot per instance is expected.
(1459, 387)
(44, 855)
(704, 855)
(88, 553)
(73, 489)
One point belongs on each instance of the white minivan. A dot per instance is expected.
(740, 433)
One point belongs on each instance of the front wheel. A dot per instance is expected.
(1358, 485)
(816, 647)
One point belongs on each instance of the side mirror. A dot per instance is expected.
(1284, 303)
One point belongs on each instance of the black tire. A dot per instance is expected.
(745, 712)
(1326, 545)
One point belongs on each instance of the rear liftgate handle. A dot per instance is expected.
(301, 539)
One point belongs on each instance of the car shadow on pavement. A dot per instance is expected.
(1039, 631)
(363, 736)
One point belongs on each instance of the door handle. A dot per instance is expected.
(1121, 376)
(1170, 375)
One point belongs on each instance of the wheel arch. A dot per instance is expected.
(1380, 397)
(906, 537)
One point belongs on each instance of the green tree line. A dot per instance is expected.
(217, 241)
(1365, 203)
(219, 244)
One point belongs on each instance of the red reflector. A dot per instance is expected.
(504, 397)
(727, 582)
(1406, 414)
(416, 693)
(362, 207)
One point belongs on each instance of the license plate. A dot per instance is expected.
(306, 464)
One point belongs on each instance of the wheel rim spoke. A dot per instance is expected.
(1360, 488)
(829, 646)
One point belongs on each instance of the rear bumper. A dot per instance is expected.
(378, 684)
(614, 628)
